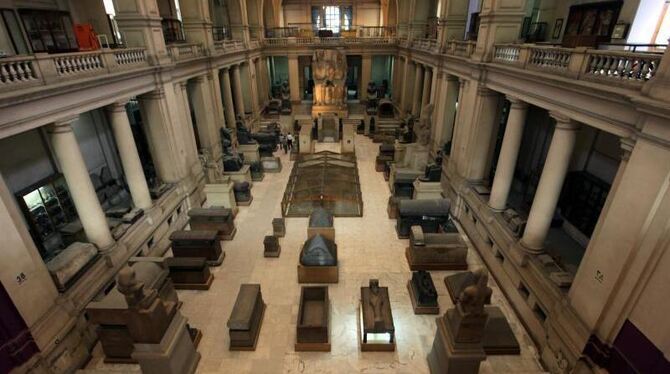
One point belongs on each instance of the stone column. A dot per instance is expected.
(551, 183)
(508, 154)
(455, 13)
(406, 76)
(499, 22)
(294, 78)
(130, 159)
(197, 22)
(366, 75)
(397, 86)
(480, 133)
(181, 91)
(227, 93)
(217, 101)
(71, 161)
(204, 117)
(237, 90)
(140, 23)
(253, 86)
(427, 87)
(416, 92)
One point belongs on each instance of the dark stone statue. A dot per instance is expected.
(433, 171)
(318, 251)
(424, 289)
(243, 134)
(231, 161)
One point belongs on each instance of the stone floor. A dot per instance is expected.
(367, 248)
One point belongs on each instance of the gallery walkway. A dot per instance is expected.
(367, 248)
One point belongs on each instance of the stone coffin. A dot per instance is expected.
(202, 243)
(244, 324)
(422, 293)
(190, 273)
(318, 261)
(271, 246)
(219, 219)
(313, 320)
(423, 190)
(271, 164)
(392, 206)
(441, 251)
(429, 214)
(376, 334)
(321, 223)
(221, 194)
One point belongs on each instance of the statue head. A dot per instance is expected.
(374, 286)
(133, 290)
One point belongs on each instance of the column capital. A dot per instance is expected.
(63, 125)
(452, 78)
(627, 145)
(563, 122)
(156, 94)
(199, 79)
(118, 106)
(485, 91)
(225, 69)
(516, 103)
(183, 84)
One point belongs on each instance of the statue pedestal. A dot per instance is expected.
(426, 190)
(242, 175)
(348, 135)
(175, 354)
(306, 145)
(250, 152)
(221, 194)
(449, 357)
(286, 123)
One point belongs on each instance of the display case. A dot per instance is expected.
(48, 208)
(49, 30)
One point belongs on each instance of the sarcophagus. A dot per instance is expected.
(321, 222)
(441, 251)
(429, 214)
(244, 324)
(271, 246)
(190, 273)
(219, 219)
(198, 243)
(376, 328)
(313, 320)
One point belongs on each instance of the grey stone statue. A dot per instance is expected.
(377, 303)
(423, 129)
(137, 296)
(473, 298)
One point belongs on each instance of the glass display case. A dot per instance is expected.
(49, 30)
(48, 208)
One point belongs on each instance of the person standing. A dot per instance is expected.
(289, 141)
(283, 143)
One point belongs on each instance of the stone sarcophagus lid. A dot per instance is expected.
(422, 293)
(376, 328)
(200, 243)
(271, 246)
(313, 320)
(392, 206)
(318, 261)
(244, 324)
(436, 251)
(219, 219)
(190, 273)
(429, 214)
(321, 222)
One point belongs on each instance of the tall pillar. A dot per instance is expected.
(416, 92)
(191, 148)
(130, 159)
(253, 86)
(550, 185)
(227, 93)
(455, 13)
(427, 87)
(509, 152)
(217, 101)
(481, 132)
(197, 22)
(140, 23)
(446, 95)
(294, 78)
(71, 161)
(407, 76)
(204, 117)
(366, 75)
(397, 85)
(237, 90)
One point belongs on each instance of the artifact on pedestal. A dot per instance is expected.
(313, 320)
(458, 347)
(436, 251)
(221, 195)
(412, 162)
(163, 343)
(499, 338)
(286, 98)
(429, 214)
(422, 293)
(279, 227)
(242, 191)
(190, 273)
(271, 246)
(198, 243)
(386, 154)
(376, 328)
(318, 261)
(329, 67)
(213, 218)
(371, 98)
(244, 324)
(321, 222)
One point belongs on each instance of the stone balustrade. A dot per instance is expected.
(424, 44)
(462, 48)
(619, 67)
(185, 51)
(227, 46)
(328, 41)
(42, 68)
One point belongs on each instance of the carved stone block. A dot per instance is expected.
(376, 328)
(441, 251)
(245, 321)
(200, 243)
(190, 273)
(271, 246)
(279, 227)
(214, 218)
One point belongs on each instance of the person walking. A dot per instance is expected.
(283, 143)
(289, 141)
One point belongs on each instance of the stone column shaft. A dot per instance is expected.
(416, 92)
(427, 83)
(550, 185)
(130, 159)
(191, 146)
(509, 152)
(71, 161)
(294, 78)
(237, 90)
(229, 110)
(366, 75)
(204, 117)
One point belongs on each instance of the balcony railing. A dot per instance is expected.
(462, 48)
(185, 51)
(625, 68)
(221, 33)
(429, 45)
(42, 69)
(317, 41)
(226, 46)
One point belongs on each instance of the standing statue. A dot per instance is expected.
(422, 131)
(377, 303)
(329, 70)
(473, 298)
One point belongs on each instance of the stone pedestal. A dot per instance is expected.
(348, 136)
(447, 357)
(242, 175)
(306, 145)
(271, 164)
(426, 190)
(221, 194)
(175, 354)
(250, 152)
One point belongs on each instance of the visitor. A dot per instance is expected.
(283, 143)
(289, 141)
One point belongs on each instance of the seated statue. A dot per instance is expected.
(243, 134)
(433, 171)
(371, 96)
(285, 98)
(231, 161)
